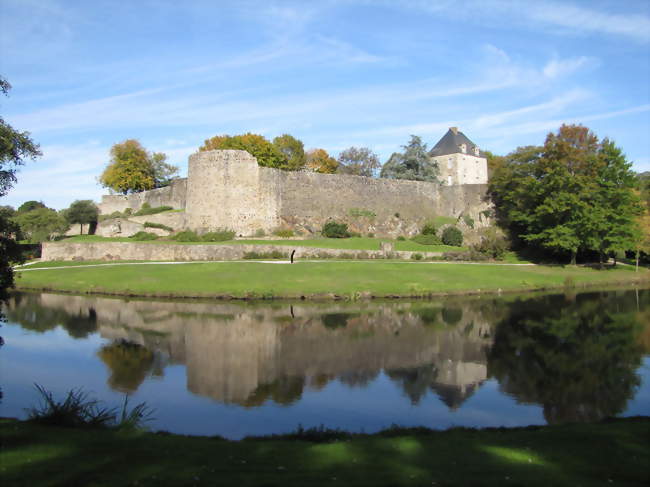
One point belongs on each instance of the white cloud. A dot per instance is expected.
(556, 68)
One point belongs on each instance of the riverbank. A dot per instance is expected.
(313, 280)
(609, 453)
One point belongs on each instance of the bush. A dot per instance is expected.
(401, 238)
(416, 256)
(469, 221)
(186, 236)
(452, 236)
(276, 254)
(492, 244)
(429, 228)
(427, 239)
(260, 233)
(283, 232)
(219, 235)
(354, 234)
(158, 225)
(147, 210)
(333, 229)
(371, 235)
(141, 236)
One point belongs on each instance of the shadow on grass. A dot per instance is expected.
(558, 455)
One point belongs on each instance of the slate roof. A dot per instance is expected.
(451, 142)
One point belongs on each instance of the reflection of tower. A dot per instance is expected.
(457, 381)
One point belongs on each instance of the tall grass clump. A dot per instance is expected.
(219, 235)
(146, 209)
(186, 236)
(78, 409)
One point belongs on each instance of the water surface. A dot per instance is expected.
(238, 369)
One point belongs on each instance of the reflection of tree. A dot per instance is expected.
(129, 364)
(337, 320)
(577, 360)
(285, 391)
(27, 311)
(415, 381)
(358, 378)
(452, 316)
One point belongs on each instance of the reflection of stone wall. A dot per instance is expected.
(233, 349)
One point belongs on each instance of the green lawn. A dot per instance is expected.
(256, 279)
(613, 453)
(354, 243)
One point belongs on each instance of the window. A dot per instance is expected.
(450, 163)
(449, 180)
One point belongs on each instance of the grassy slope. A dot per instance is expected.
(355, 243)
(615, 453)
(257, 279)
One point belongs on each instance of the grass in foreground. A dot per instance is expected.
(612, 453)
(259, 280)
(353, 243)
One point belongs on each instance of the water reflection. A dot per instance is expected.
(576, 356)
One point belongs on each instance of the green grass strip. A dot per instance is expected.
(613, 453)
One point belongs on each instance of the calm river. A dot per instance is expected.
(237, 369)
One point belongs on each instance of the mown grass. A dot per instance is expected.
(347, 279)
(353, 243)
(613, 453)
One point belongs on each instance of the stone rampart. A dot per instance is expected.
(110, 251)
(173, 195)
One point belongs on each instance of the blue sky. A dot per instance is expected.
(88, 74)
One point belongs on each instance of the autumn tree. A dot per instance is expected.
(318, 160)
(359, 161)
(572, 195)
(267, 154)
(293, 151)
(414, 163)
(83, 212)
(130, 169)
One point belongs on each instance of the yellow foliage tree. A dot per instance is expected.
(318, 160)
(130, 168)
(267, 154)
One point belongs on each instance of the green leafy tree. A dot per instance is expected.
(267, 154)
(572, 195)
(359, 161)
(41, 224)
(83, 212)
(318, 160)
(30, 205)
(414, 163)
(163, 173)
(15, 148)
(293, 151)
(130, 168)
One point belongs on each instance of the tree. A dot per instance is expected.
(318, 160)
(414, 163)
(359, 161)
(83, 212)
(130, 169)
(41, 224)
(163, 173)
(293, 151)
(15, 148)
(572, 195)
(267, 154)
(30, 205)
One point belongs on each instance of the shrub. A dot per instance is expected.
(260, 232)
(333, 229)
(276, 254)
(492, 244)
(429, 228)
(396, 215)
(401, 238)
(283, 232)
(371, 235)
(356, 212)
(427, 239)
(416, 256)
(452, 236)
(158, 225)
(186, 236)
(147, 210)
(141, 236)
(219, 235)
(469, 221)
(354, 234)
(128, 212)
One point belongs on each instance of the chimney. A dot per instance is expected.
(454, 130)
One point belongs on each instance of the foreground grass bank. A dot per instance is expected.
(313, 279)
(612, 453)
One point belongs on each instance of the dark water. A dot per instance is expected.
(239, 369)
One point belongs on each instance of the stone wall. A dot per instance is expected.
(109, 251)
(229, 189)
(173, 195)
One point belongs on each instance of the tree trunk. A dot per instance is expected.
(574, 254)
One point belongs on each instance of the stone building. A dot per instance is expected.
(228, 189)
